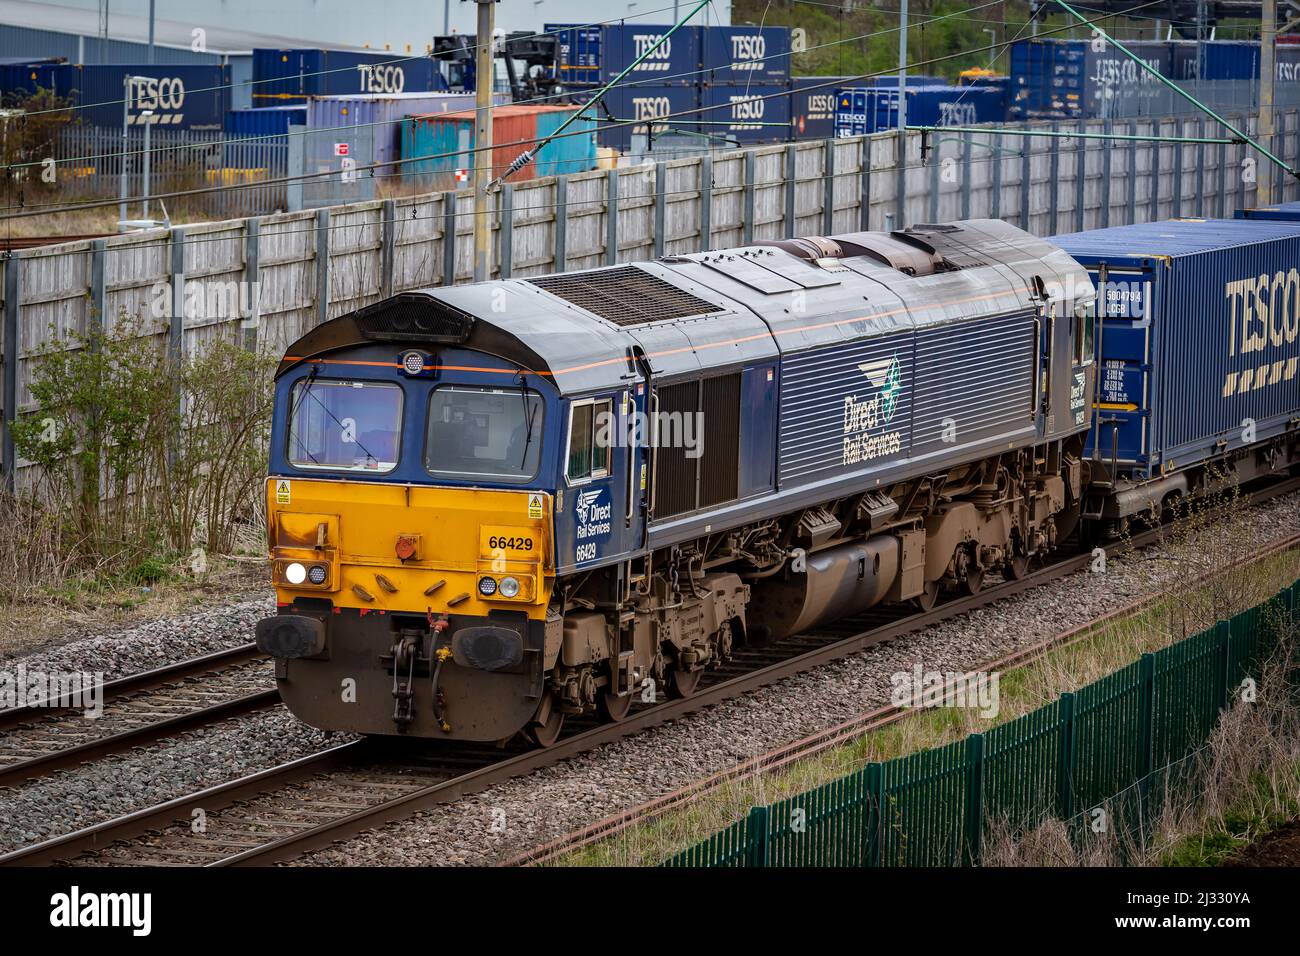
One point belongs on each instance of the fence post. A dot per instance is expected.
(1241, 179)
(506, 258)
(995, 203)
(388, 245)
(1053, 178)
(965, 174)
(1155, 172)
(1223, 180)
(1200, 167)
(875, 788)
(900, 186)
(1222, 634)
(1080, 175)
(974, 799)
(322, 265)
(747, 203)
(757, 832)
(791, 162)
(1065, 761)
(95, 314)
(828, 189)
(864, 210)
(176, 327)
(1026, 173)
(661, 206)
(1106, 165)
(936, 161)
(1180, 128)
(13, 290)
(449, 237)
(252, 282)
(1132, 173)
(1146, 713)
(611, 217)
(706, 202)
(561, 255)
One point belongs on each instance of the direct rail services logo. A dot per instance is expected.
(75, 909)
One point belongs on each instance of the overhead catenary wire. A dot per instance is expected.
(45, 208)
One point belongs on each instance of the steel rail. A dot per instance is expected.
(319, 836)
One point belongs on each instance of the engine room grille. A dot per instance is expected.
(625, 295)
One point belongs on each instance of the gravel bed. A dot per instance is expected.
(517, 815)
(514, 816)
(103, 789)
(142, 647)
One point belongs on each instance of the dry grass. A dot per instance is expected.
(1179, 613)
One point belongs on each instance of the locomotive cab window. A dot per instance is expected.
(590, 423)
(345, 426)
(1085, 323)
(475, 433)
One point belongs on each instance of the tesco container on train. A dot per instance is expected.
(1287, 211)
(587, 60)
(1199, 337)
(1083, 79)
(176, 97)
(812, 106)
(437, 146)
(739, 114)
(745, 55)
(1229, 60)
(283, 77)
(632, 107)
(859, 111)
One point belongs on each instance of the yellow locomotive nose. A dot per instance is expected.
(467, 550)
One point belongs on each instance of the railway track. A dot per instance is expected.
(138, 709)
(310, 803)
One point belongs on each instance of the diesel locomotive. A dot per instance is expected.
(495, 505)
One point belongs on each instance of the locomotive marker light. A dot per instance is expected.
(413, 362)
(487, 586)
(295, 573)
(509, 587)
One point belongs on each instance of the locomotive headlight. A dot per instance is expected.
(487, 586)
(317, 574)
(295, 573)
(509, 587)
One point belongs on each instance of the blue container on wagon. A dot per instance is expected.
(1200, 332)
(745, 55)
(859, 111)
(812, 106)
(284, 77)
(586, 60)
(1287, 212)
(745, 114)
(677, 106)
(179, 97)
(1075, 79)
(265, 123)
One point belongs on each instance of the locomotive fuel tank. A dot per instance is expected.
(833, 583)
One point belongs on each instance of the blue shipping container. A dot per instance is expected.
(266, 122)
(178, 97)
(1287, 211)
(1200, 331)
(747, 54)
(861, 111)
(1073, 79)
(637, 104)
(753, 114)
(812, 106)
(677, 60)
(282, 77)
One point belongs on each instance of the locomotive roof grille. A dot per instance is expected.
(414, 318)
(626, 295)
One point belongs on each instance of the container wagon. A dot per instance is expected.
(1287, 212)
(1199, 348)
(861, 111)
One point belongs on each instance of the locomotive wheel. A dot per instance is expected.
(683, 683)
(928, 598)
(612, 707)
(974, 579)
(544, 728)
(1017, 567)
(547, 733)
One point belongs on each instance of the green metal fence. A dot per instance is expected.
(1125, 738)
